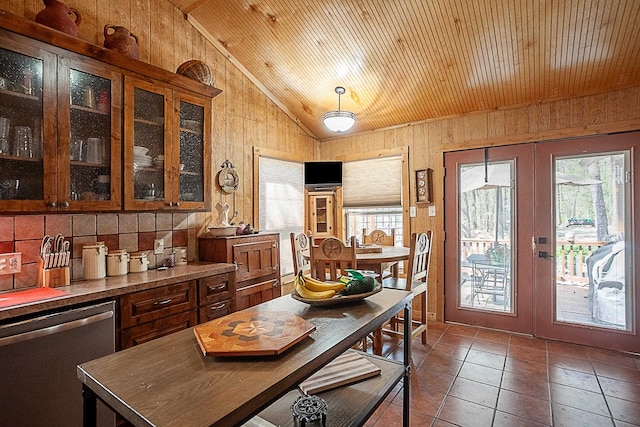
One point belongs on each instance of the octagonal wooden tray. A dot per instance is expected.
(252, 332)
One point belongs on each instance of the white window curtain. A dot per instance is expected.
(372, 182)
(282, 203)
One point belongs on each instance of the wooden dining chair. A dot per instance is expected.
(416, 282)
(300, 242)
(379, 237)
(331, 257)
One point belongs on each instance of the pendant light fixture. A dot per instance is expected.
(339, 121)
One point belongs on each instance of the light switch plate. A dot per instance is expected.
(432, 210)
(11, 263)
(158, 247)
(413, 212)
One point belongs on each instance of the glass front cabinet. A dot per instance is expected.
(59, 130)
(166, 134)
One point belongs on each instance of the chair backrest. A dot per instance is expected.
(419, 259)
(331, 257)
(379, 237)
(299, 243)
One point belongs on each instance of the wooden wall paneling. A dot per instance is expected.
(495, 124)
(161, 35)
(90, 28)
(623, 104)
(596, 109)
(141, 26)
(120, 13)
(560, 114)
(454, 130)
(234, 99)
(14, 6)
(32, 7)
(475, 127)
(539, 117)
(516, 121)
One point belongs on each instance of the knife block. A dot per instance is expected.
(52, 277)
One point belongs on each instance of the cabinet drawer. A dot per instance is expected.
(215, 288)
(144, 306)
(251, 295)
(157, 328)
(256, 260)
(215, 310)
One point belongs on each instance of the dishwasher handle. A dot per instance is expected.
(25, 336)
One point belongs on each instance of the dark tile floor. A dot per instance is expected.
(467, 376)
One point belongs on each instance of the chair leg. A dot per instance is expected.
(423, 316)
(377, 342)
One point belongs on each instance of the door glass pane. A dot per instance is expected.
(591, 235)
(21, 165)
(148, 149)
(90, 151)
(485, 230)
(191, 152)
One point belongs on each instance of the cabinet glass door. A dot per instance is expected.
(148, 160)
(89, 136)
(22, 108)
(194, 125)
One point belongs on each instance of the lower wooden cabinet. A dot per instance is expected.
(216, 296)
(157, 328)
(257, 257)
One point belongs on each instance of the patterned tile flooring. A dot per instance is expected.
(468, 376)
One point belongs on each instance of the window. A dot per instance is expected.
(281, 201)
(372, 196)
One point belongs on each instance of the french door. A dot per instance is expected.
(540, 239)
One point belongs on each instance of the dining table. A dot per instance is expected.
(388, 258)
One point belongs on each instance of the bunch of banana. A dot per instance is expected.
(310, 288)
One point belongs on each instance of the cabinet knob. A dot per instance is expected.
(177, 204)
(169, 204)
(64, 204)
(52, 204)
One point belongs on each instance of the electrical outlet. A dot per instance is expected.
(11, 263)
(413, 211)
(158, 246)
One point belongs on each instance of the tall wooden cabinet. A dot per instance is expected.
(323, 213)
(67, 109)
(257, 257)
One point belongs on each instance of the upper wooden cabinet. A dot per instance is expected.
(323, 213)
(166, 148)
(59, 148)
(70, 116)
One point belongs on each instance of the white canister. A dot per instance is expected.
(94, 260)
(117, 263)
(138, 262)
(181, 255)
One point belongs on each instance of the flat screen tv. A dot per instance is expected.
(322, 174)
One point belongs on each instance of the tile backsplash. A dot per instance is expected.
(131, 231)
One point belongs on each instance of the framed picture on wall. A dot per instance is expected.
(424, 179)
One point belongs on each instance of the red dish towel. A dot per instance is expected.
(23, 297)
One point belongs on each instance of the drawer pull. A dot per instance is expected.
(218, 306)
(163, 302)
(219, 287)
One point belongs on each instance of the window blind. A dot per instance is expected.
(373, 182)
(282, 203)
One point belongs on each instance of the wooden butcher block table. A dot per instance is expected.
(170, 382)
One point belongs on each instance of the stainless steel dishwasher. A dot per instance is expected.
(39, 385)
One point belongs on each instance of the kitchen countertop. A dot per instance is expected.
(87, 291)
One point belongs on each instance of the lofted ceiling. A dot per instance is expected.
(404, 61)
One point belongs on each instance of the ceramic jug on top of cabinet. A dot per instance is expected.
(121, 40)
(57, 15)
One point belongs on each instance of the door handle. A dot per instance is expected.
(544, 254)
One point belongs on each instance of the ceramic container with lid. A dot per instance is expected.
(117, 263)
(94, 260)
(138, 262)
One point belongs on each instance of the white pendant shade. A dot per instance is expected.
(339, 121)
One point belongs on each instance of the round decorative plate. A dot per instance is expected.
(228, 180)
(337, 299)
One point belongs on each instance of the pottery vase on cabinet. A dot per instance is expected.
(57, 15)
(121, 40)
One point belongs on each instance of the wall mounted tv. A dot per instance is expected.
(322, 174)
